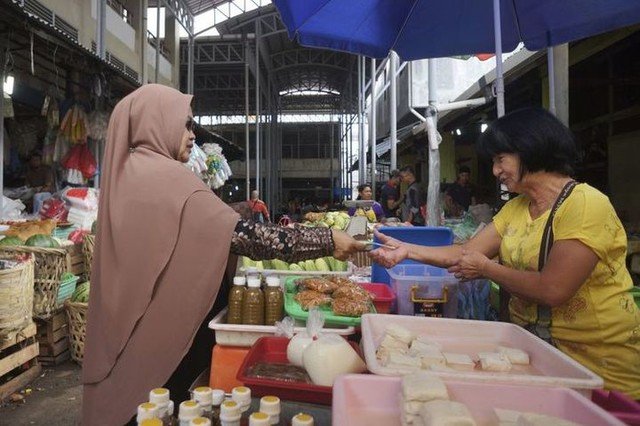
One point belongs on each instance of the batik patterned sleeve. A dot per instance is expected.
(262, 241)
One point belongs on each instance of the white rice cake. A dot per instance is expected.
(391, 342)
(459, 361)
(397, 359)
(493, 361)
(410, 419)
(446, 413)
(516, 356)
(533, 419)
(422, 386)
(427, 341)
(441, 368)
(400, 333)
(506, 417)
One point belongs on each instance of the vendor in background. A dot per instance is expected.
(390, 195)
(259, 208)
(39, 176)
(574, 294)
(412, 209)
(460, 194)
(366, 194)
(162, 248)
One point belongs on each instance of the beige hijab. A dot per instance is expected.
(135, 288)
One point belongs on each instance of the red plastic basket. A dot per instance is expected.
(384, 296)
(619, 405)
(274, 349)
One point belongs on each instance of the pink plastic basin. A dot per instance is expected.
(367, 400)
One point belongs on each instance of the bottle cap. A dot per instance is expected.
(270, 404)
(189, 410)
(239, 280)
(259, 419)
(200, 421)
(302, 419)
(253, 282)
(203, 395)
(217, 396)
(159, 396)
(147, 410)
(229, 409)
(241, 395)
(151, 422)
(273, 281)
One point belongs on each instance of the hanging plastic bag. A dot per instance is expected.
(300, 341)
(80, 158)
(285, 327)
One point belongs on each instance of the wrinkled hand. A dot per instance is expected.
(389, 257)
(470, 266)
(345, 245)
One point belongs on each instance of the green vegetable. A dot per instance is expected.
(11, 241)
(42, 240)
(81, 295)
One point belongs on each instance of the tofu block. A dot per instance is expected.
(432, 358)
(411, 407)
(422, 386)
(410, 419)
(397, 359)
(516, 356)
(399, 333)
(421, 347)
(507, 416)
(493, 361)
(427, 341)
(459, 361)
(391, 342)
(441, 368)
(446, 413)
(533, 419)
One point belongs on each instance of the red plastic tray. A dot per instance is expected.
(384, 296)
(274, 349)
(619, 405)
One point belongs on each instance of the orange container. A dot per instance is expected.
(225, 363)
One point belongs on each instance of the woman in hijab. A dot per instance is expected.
(162, 246)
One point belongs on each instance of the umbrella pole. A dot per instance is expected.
(433, 189)
(551, 81)
(2, 74)
(372, 120)
(497, 31)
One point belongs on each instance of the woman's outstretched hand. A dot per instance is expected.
(345, 245)
(389, 256)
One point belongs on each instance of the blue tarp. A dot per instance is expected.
(418, 29)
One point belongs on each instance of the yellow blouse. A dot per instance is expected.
(600, 325)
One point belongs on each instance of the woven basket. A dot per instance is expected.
(87, 251)
(16, 297)
(50, 264)
(77, 316)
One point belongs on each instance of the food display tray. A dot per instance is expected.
(549, 366)
(274, 350)
(243, 335)
(294, 310)
(366, 400)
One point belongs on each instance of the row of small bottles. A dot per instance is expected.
(209, 407)
(252, 305)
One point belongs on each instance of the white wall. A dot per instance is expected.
(116, 26)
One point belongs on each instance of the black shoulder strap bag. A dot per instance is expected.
(542, 325)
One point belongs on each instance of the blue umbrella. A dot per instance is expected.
(418, 29)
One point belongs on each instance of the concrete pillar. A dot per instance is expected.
(172, 44)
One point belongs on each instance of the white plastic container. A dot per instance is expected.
(424, 290)
(367, 400)
(246, 335)
(549, 366)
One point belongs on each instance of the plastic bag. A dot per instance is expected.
(11, 209)
(285, 327)
(54, 208)
(300, 341)
(80, 158)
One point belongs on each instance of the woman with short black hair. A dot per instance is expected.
(561, 246)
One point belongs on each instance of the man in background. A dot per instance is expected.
(413, 200)
(460, 194)
(39, 176)
(390, 195)
(259, 208)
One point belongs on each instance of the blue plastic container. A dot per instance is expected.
(431, 236)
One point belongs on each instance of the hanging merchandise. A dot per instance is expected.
(210, 164)
(80, 164)
(97, 123)
(74, 125)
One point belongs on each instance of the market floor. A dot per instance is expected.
(54, 399)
